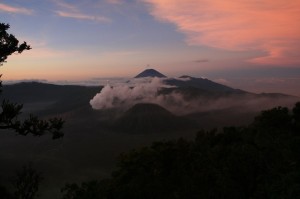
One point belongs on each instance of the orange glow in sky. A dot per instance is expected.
(270, 26)
(228, 40)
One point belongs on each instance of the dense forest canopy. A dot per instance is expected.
(257, 161)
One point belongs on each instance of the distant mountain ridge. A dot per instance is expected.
(72, 103)
(202, 84)
(186, 82)
(57, 98)
(24, 92)
(148, 117)
(150, 73)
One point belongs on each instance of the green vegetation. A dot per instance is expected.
(257, 161)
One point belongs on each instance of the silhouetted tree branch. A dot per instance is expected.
(9, 44)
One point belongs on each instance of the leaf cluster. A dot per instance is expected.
(32, 125)
(9, 43)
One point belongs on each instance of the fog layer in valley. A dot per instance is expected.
(91, 144)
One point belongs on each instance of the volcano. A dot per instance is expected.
(150, 118)
(150, 73)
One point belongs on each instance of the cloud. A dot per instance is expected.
(66, 6)
(269, 26)
(201, 60)
(72, 11)
(270, 80)
(77, 15)
(124, 95)
(117, 2)
(15, 10)
(142, 90)
(42, 50)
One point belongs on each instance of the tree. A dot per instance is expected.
(10, 112)
(87, 190)
(27, 183)
(9, 43)
(257, 161)
(5, 194)
(296, 112)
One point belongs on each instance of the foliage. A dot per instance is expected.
(296, 115)
(5, 194)
(9, 43)
(257, 161)
(9, 119)
(27, 183)
(92, 189)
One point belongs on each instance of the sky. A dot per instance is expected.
(247, 44)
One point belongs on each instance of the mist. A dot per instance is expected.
(124, 95)
(95, 132)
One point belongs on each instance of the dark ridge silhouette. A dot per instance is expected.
(276, 95)
(150, 73)
(54, 99)
(202, 84)
(71, 102)
(147, 117)
(36, 91)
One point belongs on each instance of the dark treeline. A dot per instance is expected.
(258, 161)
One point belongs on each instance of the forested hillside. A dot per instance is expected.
(257, 161)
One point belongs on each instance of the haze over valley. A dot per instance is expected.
(144, 99)
(104, 121)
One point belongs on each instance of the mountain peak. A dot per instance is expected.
(150, 73)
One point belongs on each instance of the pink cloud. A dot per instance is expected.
(81, 16)
(16, 10)
(41, 50)
(66, 6)
(269, 26)
(73, 11)
(119, 2)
